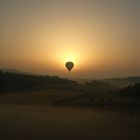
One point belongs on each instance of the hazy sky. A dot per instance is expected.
(102, 37)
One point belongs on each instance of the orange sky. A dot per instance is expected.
(101, 38)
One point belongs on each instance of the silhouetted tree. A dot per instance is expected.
(132, 92)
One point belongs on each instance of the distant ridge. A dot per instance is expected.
(116, 82)
(17, 71)
(123, 82)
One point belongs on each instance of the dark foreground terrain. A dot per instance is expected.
(50, 108)
(27, 117)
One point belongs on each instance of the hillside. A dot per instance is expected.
(13, 81)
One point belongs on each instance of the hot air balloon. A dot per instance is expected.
(69, 65)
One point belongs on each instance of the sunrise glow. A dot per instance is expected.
(99, 42)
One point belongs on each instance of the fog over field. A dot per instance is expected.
(33, 122)
(36, 107)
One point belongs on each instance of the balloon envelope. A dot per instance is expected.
(69, 65)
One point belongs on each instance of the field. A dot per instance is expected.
(38, 116)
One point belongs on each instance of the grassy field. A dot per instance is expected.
(36, 116)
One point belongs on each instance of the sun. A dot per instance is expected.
(70, 58)
(69, 52)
